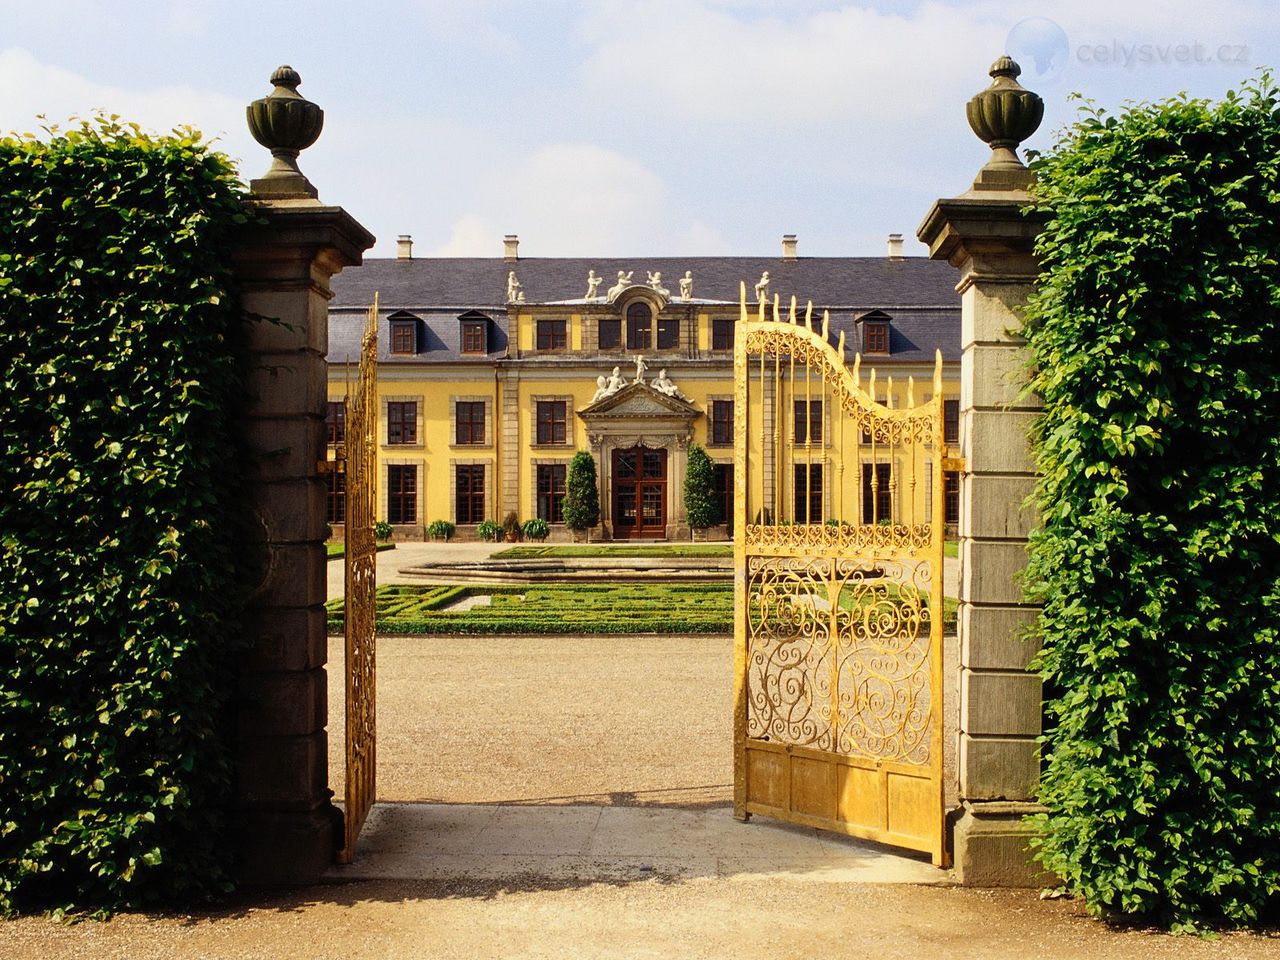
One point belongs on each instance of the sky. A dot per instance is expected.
(660, 128)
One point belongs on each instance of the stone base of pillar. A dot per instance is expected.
(991, 846)
(679, 531)
(286, 847)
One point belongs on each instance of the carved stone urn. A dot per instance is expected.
(286, 123)
(1005, 114)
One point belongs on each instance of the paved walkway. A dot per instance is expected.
(417, 841)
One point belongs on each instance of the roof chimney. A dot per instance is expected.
(895, 247)
(788, 246)
(511, 247)
(404, 247)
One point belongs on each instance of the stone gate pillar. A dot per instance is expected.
(987, 234)
(284, 821)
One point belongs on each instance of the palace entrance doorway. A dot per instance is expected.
(639, 493)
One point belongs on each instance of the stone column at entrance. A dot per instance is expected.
(986, 233)
(284, 822)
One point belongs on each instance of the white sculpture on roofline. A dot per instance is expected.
(624, 281)
(686, 285)
(514, 293)
(662, 383)
(762, 287)
(593, 285)
(655, 281)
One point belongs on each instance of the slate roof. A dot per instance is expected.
(918, 294)
(864, 282)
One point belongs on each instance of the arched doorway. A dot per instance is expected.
(639, 493)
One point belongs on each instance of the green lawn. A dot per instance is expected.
(675, 550)
(585, 608)
(951, 548)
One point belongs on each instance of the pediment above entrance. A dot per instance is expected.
(639, 401)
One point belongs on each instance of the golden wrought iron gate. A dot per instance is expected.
(360, 589)
(838, 555)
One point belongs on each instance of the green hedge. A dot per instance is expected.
(1156, 343)
(586, 608)
(117, 502)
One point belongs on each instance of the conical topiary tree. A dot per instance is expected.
(700, 503)
(581, 504)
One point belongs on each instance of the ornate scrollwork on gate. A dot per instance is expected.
(839, 502)
(360, 590)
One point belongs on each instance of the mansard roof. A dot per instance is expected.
(481, 282)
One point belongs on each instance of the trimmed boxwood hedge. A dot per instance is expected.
(1156, 342)
(580, 608)
(118, 503)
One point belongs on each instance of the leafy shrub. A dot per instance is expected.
(581, 505)
(440, 530)
(488, 530)
(700, 502)
(382, 530)
(535, 529)
(1156, 344)
(511, 525)
(328, 531)
(118, 518)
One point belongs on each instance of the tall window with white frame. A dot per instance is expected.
(469, 484)
(402, 493)
(639, 326)
(402, 422)
(553, 427)
(469, 429)
(551, 490)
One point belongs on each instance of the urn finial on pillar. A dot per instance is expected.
(286, 123)
(1004, 115)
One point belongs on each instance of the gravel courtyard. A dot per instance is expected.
(617, 720)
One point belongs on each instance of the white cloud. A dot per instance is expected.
(570, 199)
(695, 63)
(29, 88)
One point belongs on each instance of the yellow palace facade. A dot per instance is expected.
(493, 372)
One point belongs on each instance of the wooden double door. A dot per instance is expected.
(639, 478)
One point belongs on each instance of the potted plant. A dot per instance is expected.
(700, 504)
(535, 529)
(382, 530)
(581, 503)
(441, 530)
(511, 527)
(489, 530)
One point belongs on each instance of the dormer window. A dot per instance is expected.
(404, 334)
(474, 332)
(875, 332)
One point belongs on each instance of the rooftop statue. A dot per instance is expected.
(655, 281)
(662, 383)
(641, 367)
(593, 285)
(686, 285)
(514, 293)
(615, 381)
(624, 281)
(762, 287)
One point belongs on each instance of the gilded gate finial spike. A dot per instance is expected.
(857, 370)
(888, 397)
(742, 299)
(841, 348)
(762, 306)
(826, 324)
(872, 381)
(808, 315)
(911, 392)
(777, 316)
(792, 317)
(937, 375)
